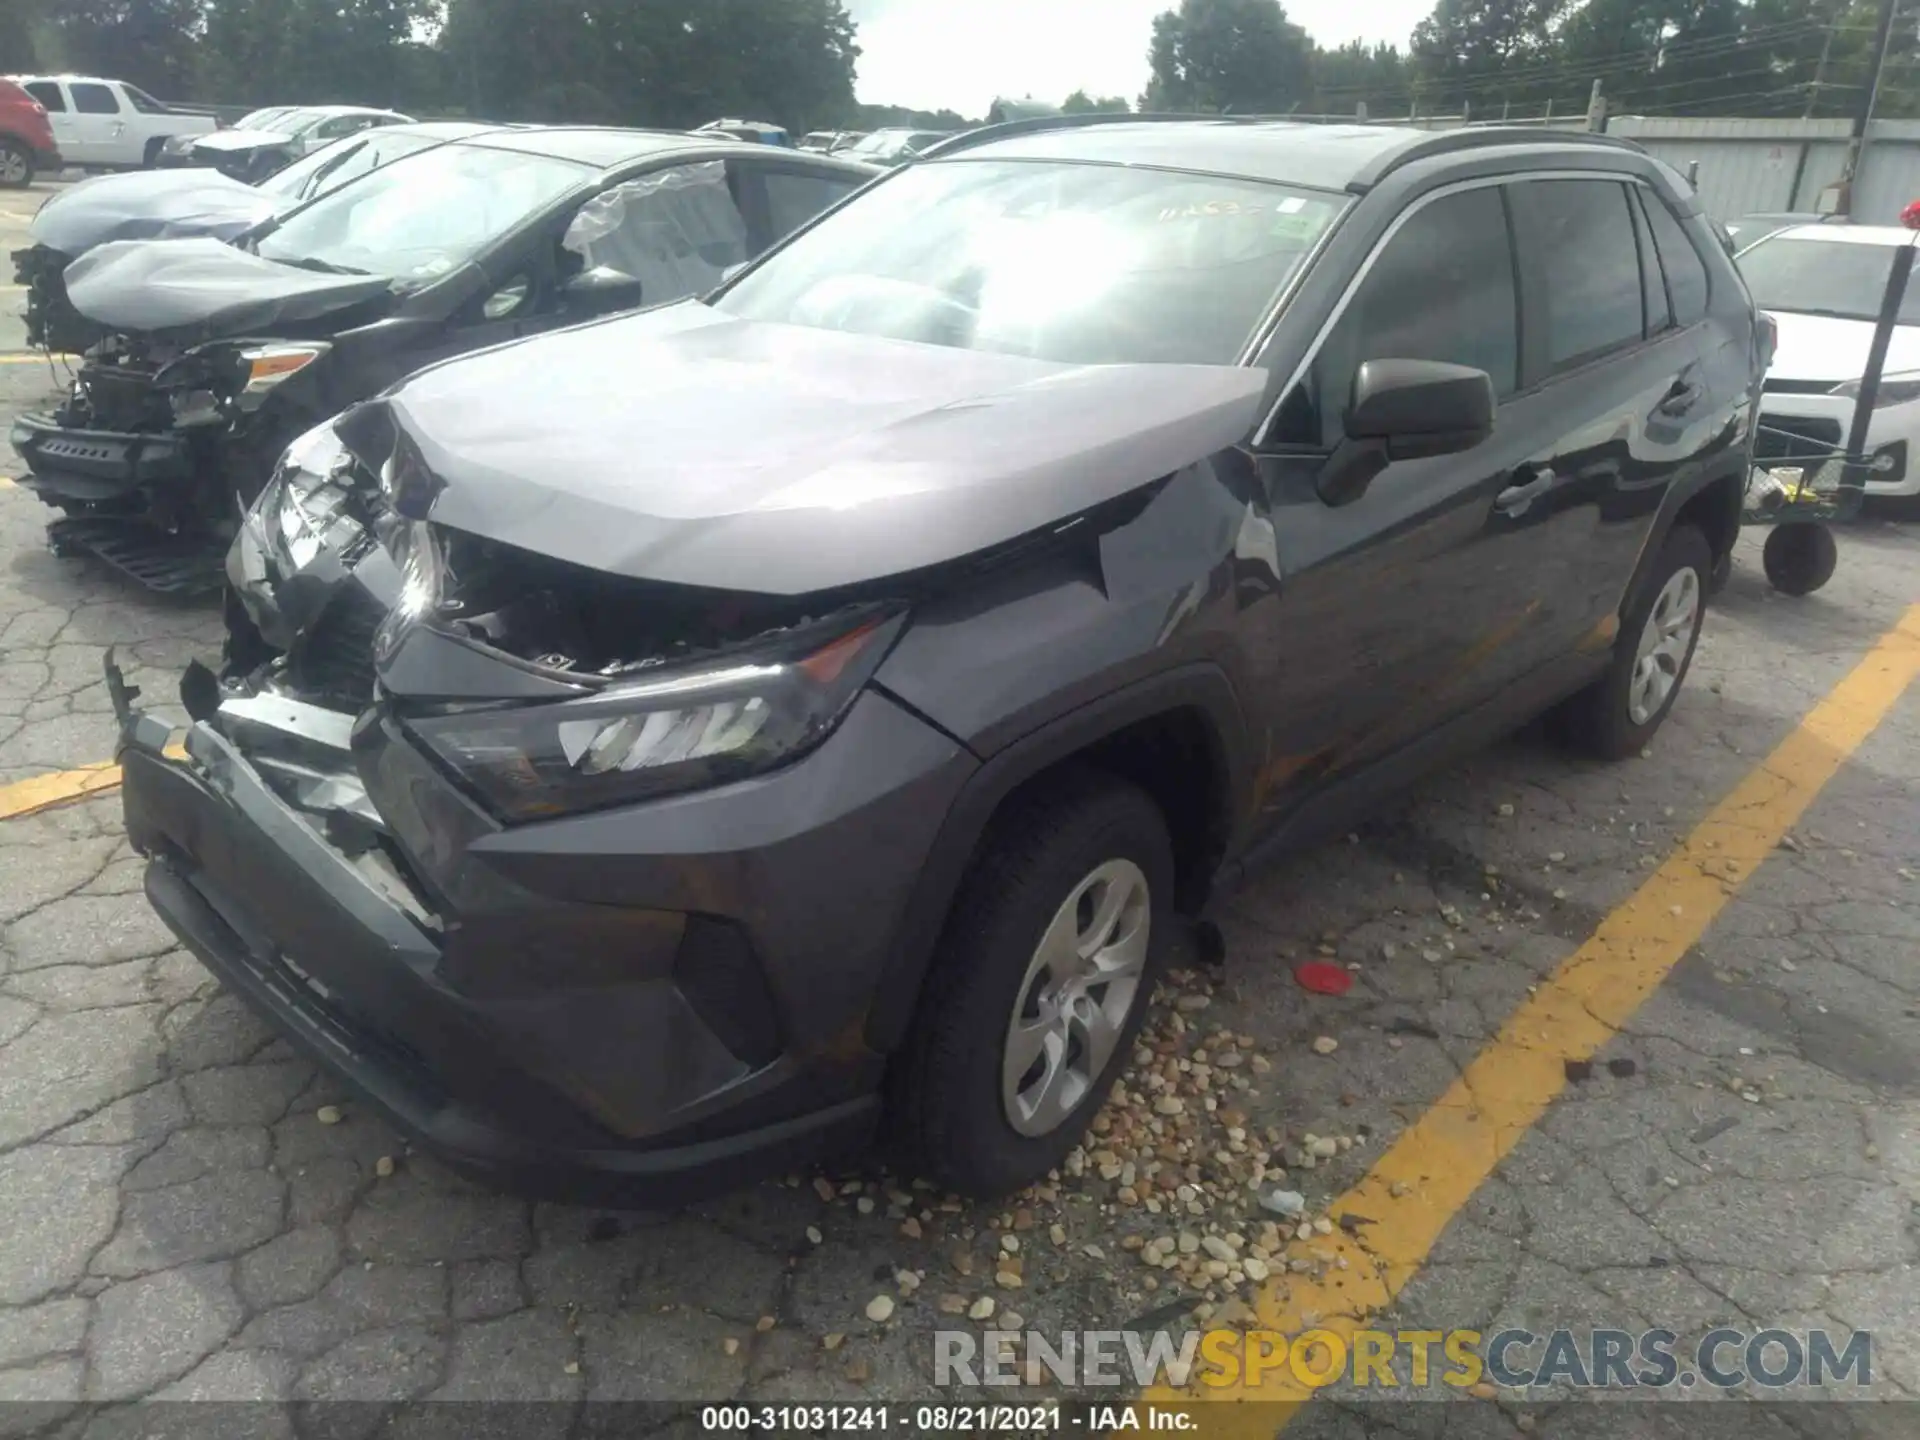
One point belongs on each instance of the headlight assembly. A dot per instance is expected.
(1894, 390)
(304, 507)
(675, 729)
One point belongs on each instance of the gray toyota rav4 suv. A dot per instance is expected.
(676, 747)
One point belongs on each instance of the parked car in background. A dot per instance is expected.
(828, 142)
(216, 356)
(1824, 286)
(172, 204)
(108, 124)
(893, 147)
(253, 153)
(802, 714)
(1752, 229)
(758, 132)
(27, 144)
(176, 150)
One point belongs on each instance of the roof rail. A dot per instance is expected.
(1039, 124)
(1449, 142)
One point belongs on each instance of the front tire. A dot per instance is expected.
(1620, 712)
(16, 166)
(1039, 985)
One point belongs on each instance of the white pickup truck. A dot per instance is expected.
(107, 124)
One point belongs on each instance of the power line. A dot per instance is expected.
(1646, 60)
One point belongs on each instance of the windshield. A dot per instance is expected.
(1813, 276)
(424, 215)
(335, 164)
(257, 118)
(1082, 264)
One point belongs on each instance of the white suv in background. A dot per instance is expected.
(108, 124)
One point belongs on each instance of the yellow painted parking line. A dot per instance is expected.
(1401, 1206)
(37, 359)
(43, 792)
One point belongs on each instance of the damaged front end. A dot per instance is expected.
(157, 448)
(53, 325)
(498, 880)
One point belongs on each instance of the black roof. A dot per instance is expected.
(1315, 156)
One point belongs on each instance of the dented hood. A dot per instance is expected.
(203, 287)
(238, 142)
(684, 445)
(148, 205)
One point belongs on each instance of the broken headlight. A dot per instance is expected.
(304, 509)
(676, 729)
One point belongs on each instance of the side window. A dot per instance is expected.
(145, 103)
(91, 99)
(1442, 289)
(1686, 274)
(794, 198)
(676, 231)
(1652, 280)
(1581, 233)
(48, 94)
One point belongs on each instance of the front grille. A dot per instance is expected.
(121, 398)
(335, 661)
(1796, 437)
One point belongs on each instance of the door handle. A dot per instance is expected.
(1516, 498)
(1680, 398)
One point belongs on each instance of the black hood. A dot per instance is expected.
(204, 288)
(684, 445)
(148, 205)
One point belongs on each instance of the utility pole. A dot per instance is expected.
(1826, 54)
(1842, 189)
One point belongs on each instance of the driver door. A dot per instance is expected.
(1410, 605)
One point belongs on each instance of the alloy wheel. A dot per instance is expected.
(1665, 640)
(1075, 998)
(13, 166)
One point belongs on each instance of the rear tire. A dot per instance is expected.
(16, 166)
(152, 156)
(1619, 713)
(1051, 950)
(1800, 558)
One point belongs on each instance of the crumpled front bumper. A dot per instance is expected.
(95, 467)
(557, 1048)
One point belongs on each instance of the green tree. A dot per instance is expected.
(1081, 103)
(1228, 55)
(1357, 73)
(151, 43)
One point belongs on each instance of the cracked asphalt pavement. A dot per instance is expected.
(192, 1212)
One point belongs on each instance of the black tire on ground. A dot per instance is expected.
(16, 166)
(947, 1115)
(1800, 558)
(152, 156)
(1598, 720)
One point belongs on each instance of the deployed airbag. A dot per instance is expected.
(203, 286)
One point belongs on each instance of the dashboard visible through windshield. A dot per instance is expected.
(424, 215)
(1078, 263)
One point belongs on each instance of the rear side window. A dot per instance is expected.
(1581, 233)
(1659, 310)
(91, 99)
(1686, 274)
(48, 94)
(794, 198)
(1442, 289)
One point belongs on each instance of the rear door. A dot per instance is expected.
(66, 134)
(1621, 396)
(100, 127)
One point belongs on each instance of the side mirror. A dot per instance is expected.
(1406, 410)
(600, 291)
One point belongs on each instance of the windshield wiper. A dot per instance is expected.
(325, 267)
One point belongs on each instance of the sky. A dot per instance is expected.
(963, 54)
